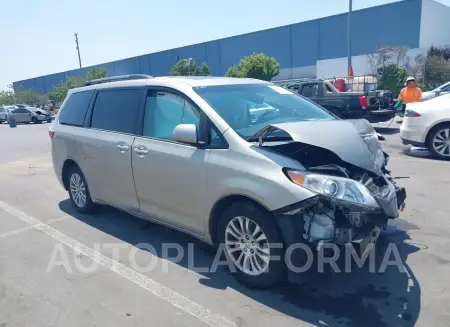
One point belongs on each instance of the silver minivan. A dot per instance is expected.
(187, 152)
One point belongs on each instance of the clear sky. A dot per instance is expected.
(37, 36)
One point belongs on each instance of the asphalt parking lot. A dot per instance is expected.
(88, 285)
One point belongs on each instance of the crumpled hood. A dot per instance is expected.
(353, 141)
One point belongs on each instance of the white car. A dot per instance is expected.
(427, 125)
(443, 89)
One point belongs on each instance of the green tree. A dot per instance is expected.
(391, 77)
(7, 97)
(185, 67)
(234, 71)
(203, 70)
(59, 92)
(436, 72)
(20, 95)
(257, 65)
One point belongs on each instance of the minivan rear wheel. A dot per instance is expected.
(78, 191)
(252, 243)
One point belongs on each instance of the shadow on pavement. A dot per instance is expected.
(421, 153)
(356, 299)
(387, 130)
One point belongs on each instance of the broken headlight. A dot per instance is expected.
(340, 188)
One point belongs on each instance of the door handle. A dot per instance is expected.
(123, 147)
(140, 150)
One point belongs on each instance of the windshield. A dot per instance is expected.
(247, 108)
(444, 88)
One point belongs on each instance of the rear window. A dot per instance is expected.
(75, 108)
(117, 110)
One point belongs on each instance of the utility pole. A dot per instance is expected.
(349, 37)
(78, 49)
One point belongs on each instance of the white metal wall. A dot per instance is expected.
(434, 24)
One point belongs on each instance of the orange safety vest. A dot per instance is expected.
(410, 94)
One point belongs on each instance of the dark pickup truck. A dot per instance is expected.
(375, 106)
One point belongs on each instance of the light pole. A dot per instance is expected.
(78, 49)
(349, 37)
(188, 65)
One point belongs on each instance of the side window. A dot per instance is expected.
(446, 89)
(215, 140)
(310, 90)
(328, 88)
(164, 111)
(117, 110)
(75, 108)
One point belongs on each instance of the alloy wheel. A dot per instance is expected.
(78, 190)
(247, 246)
(441, 142)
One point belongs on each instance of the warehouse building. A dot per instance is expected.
(315, 48)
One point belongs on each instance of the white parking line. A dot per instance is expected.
(146, 283)
(24, 229)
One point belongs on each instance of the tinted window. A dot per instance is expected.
(310, 90)
(117, 110)
(164, 111)
(75, 108)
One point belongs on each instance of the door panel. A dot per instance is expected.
(170, 177)
(106, 163)
(108, 145)
(170, 182)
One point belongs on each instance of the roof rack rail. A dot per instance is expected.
(116, 79)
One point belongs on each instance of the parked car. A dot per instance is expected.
(427, 125)
(51, 106)
(40, 115)
(4, 113)
(187, 153)
(24, 114)
(375, 106)
(443, 89)
(21, 115)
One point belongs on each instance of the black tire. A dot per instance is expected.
(88, 206)
(34, 120)
(436, 130)
(276, 270)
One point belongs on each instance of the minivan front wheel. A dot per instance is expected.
(252, 243)
(78, 191)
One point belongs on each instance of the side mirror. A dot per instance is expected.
(185, 133)
(437, 92)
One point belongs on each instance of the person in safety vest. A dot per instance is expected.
(409, 94)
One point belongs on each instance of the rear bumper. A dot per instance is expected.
(413, 143)
(411, 135)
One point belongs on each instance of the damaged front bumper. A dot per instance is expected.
(319, 220)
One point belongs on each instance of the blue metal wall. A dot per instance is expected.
(294, 45)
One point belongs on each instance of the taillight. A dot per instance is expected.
(411, 113)
(363, 102)
(51, 134)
